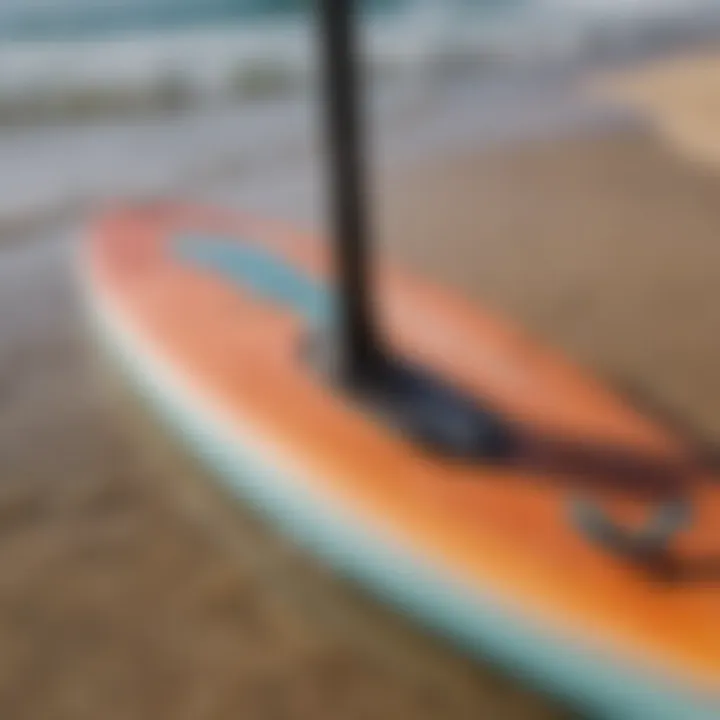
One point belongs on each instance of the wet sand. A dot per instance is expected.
(131, 587)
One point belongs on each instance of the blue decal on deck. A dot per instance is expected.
(259, 271)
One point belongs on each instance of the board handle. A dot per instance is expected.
(649, 543)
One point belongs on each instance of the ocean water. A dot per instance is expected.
(65, 61)
(74, 19)
(47, 44)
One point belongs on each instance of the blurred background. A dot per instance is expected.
(554, 158)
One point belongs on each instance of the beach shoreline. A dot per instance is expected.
(130, 588)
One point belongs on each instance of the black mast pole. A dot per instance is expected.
(356, 341)
(411, 398)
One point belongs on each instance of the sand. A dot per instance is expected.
(132, 588)
(679, 95)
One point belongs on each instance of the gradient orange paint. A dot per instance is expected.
(502, 530)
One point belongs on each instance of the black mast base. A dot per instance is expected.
(418, 404)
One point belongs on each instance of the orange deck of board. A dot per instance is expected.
(501, 529)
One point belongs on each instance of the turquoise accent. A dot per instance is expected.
(260, 271)
(589, 677)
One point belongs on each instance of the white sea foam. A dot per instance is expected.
(210, 58)
(58, 167)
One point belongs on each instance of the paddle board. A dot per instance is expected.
(208, 312)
